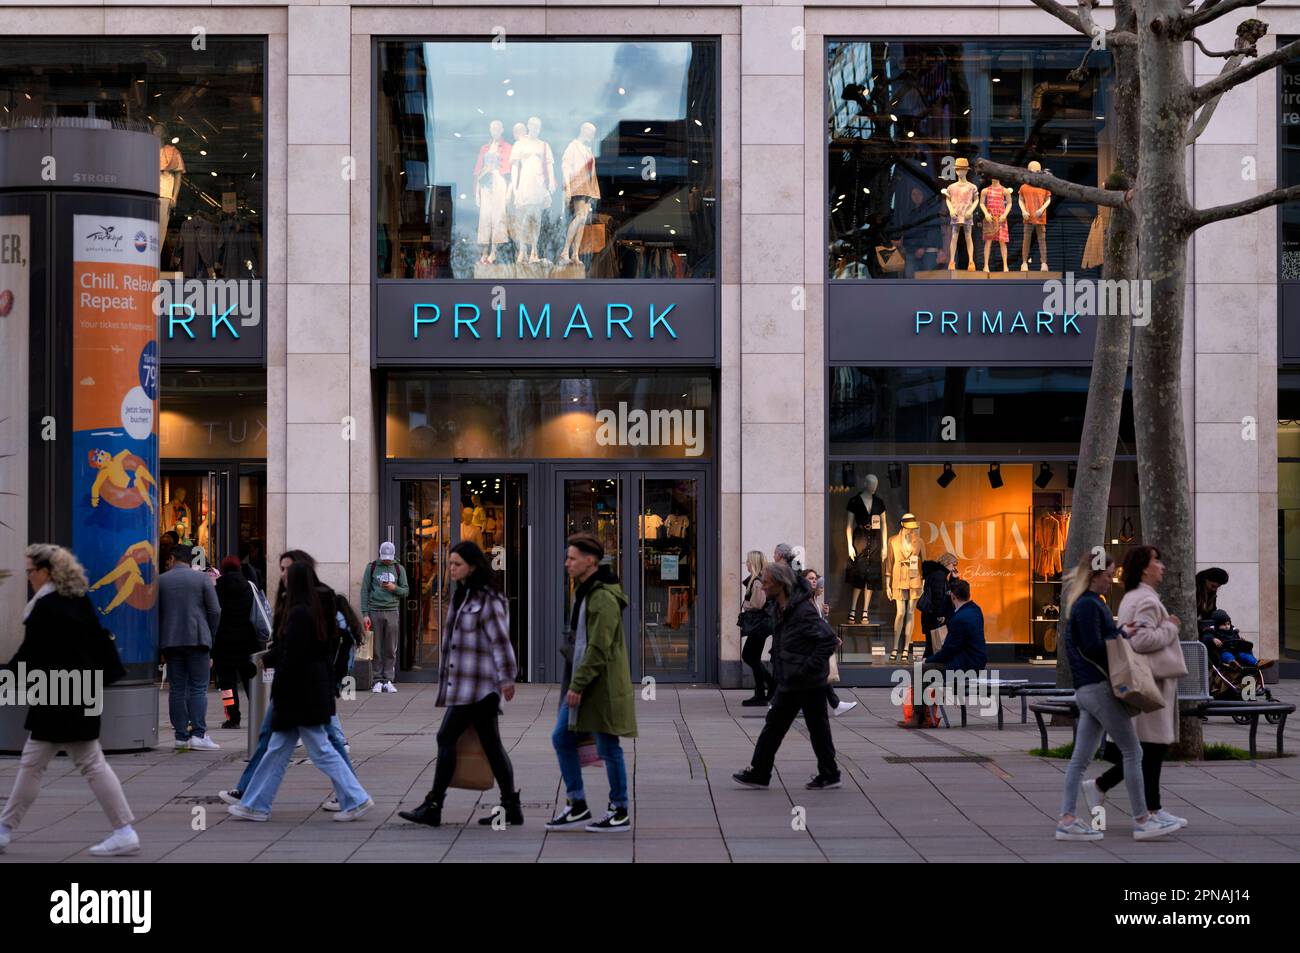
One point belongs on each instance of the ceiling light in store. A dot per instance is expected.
(967, 112)
(841, 197)
(463, 196)
(672, 231)
(954, 140)
(893, 118)
(925, 165)
(213, 174)
(698, 123)
(29, 96)
(947, 476)
(480, 112)
(175, 139)
(695, 162)
(620, 191)
(203, 152)
(865, 190)
(646, 129)
(1098, 117)
(575, 400)
(456, 134)
(995, 475)
(505, 82)
(910, 134)
(622, 91)
(139, 81)
(510, 92)
(1044, 477)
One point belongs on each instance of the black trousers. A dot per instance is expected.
(482, 714)
(1153, 758)
(785, 706)
(751, 653)
(231, 675)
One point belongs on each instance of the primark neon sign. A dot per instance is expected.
(984, 323)
(500, 323)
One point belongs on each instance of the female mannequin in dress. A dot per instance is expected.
(995, 203)
(490, 188)
(532, 181)
(865, 531)
(581, 189)
(903, 578)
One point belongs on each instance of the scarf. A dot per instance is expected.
(45, 590)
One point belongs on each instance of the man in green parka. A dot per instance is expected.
(598, 697)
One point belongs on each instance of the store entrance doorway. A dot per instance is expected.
(218, 508)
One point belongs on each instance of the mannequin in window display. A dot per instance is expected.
(468, 531)
(995, 203)
(491, 185)
(962, 197)
(177, 513)
(581, 189)
(903, 579)
(1034, 203)
(171, 167)
(532, 182)
(866, 528)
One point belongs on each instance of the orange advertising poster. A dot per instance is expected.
(989, 532)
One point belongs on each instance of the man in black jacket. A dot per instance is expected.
(800, 662)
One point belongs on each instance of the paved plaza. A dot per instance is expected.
(961, 794)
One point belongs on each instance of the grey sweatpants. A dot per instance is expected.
(386, 627)
(1100, 710)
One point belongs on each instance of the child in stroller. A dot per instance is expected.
(1225, 644)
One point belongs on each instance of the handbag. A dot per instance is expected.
(473, 773)
(593, 239)
(259, 616)
(834, 675)
(1130, 676)
(940, 634)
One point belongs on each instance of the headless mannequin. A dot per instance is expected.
(995, 203)
(1035, 220)
(961, 197)
(580, 183)
(490, 188)
(904, 583)
(532, 180)
(854, 525)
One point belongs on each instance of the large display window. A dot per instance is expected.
(207, 107)
(907, 120)
(545, 159)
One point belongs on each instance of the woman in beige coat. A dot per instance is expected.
(1153, 632)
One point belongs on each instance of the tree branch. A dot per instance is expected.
(1209, 12)
(1225, 54)
(1075, 22)
(1111, 198)
(1218, 213)
(1249, 32)
(1228, 80)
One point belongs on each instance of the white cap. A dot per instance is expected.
(387, 550)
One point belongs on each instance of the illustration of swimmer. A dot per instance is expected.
(128, 578)
(113, 471)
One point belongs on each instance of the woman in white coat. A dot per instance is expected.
(1153, 632)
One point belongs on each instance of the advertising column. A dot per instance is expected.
(15, 289)
(115, 425)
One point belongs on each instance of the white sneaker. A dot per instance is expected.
(180, 745)
(1077, 831)
(247, 814)
(378, 689)
(1168, 818)
(117, 845)
(1152, 827)
(331, 804)
(842, 707)
(356, 812)
(1093, 796)
(204, 743)
(390, 688)
(230, 797)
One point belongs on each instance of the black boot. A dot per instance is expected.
(429, 812)
(514, 813)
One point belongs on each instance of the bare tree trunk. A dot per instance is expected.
(1101, 419)
(1164, 222)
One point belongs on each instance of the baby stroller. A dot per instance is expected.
(1228, 679)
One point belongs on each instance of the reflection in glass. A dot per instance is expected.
(667, 526)
(426, 538)
(546, 160)
(904, 117)
(592, 506)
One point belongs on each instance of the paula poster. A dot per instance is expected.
(15, 308)
(115, 424)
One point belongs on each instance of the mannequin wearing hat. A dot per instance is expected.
(866, 530)
(962, 198)
(904, 581)
(1033, 209)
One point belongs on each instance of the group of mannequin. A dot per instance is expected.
(878, 561)
(514, 184)
(963, 197)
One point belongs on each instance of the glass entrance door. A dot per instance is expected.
(428, 533)
(196, 507)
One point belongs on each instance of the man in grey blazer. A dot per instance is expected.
(188, 613)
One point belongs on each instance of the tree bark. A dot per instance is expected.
(1164, 227)
(1091, 499)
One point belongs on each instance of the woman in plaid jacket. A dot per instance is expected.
(478, 668)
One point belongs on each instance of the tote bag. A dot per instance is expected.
(473, 773)
(1131, 680)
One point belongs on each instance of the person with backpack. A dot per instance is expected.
(383, 587)
(477, 670)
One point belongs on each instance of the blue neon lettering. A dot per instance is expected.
(573, 322)
(990, 327)
(544, 318)
(660, 319)
(224, 319)
(929, 319)
(417, 320)
(1068, 321)
(1040, 322)
(1020, 320)
(468, 322)
(610, 320)
(185, 324)
(945, 321)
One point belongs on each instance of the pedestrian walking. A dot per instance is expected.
(62, 633)
(1153, 632)
(302, 699)
(801, 663)
(188, 615)
(477, 670)
(597, 694)
(242, 630)
(1087, 628)
(755, 626)
(785, 554)
(344, 635)
(818, 586)
(383, 587)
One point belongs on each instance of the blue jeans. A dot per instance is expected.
(266, 779)
(607, 746)
(187, 695)
(334, 730)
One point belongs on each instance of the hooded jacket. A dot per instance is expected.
(803, 644)
(602, 675)
(935, 594)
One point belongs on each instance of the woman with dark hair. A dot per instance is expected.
(302, 697)
(477, 670)
(237, 637)
(1153, 632)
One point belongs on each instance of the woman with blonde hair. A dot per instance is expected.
(755, 626)
(63, 634)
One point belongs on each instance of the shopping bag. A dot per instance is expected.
(834, 675)
(366, 650)
(587, 756)
(908, 709)
(473, 772)
(1131, 680)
